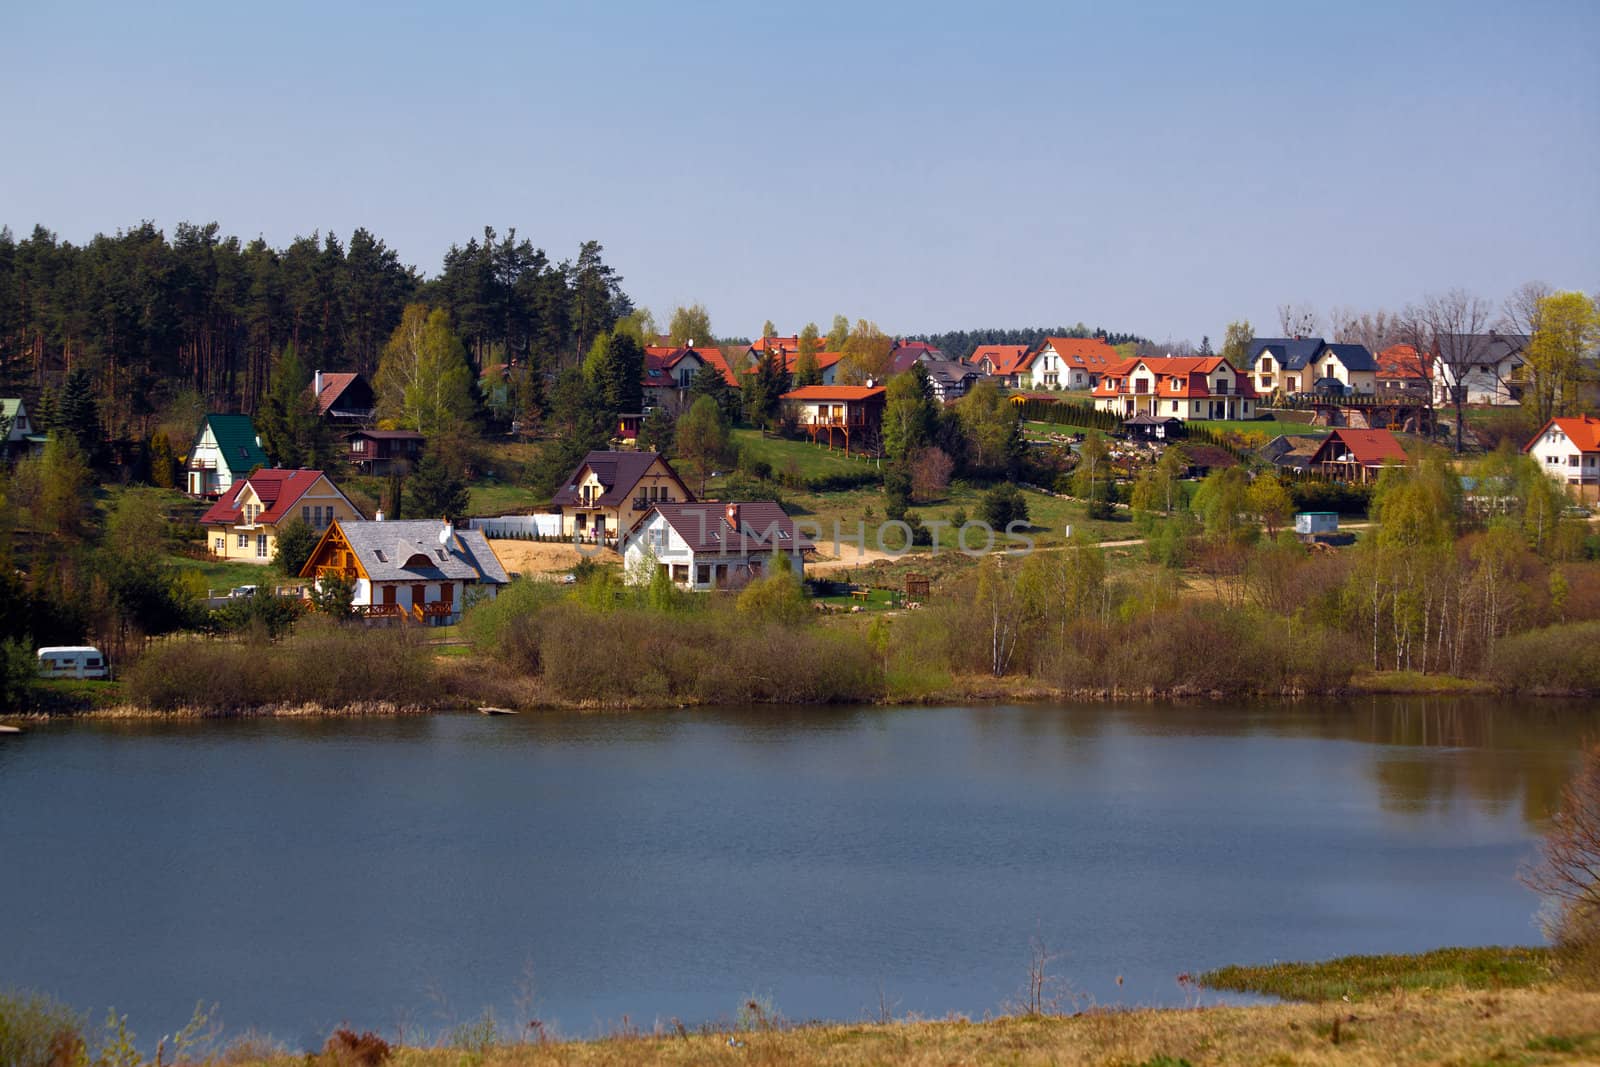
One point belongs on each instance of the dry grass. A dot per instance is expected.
(1511, 1027)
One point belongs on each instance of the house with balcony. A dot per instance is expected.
(419, 571)
(1179, 387)
(226, 448)
(609, 491)
(242, 526)
(343, 400)
(1357, 455)
(847, 416)
(1004, 363)
(384, 452)
(1069, 363)
(1291, 365)
(711, 545)
(1568, 450)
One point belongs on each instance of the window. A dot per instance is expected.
(305, 516)
(222, 545)
(1552, 459)
(261, 546)
(1572, 461)
(1174, 407)
(244, 540)
(702, 574)
(358, 445)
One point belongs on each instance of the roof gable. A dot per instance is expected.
(1582, 431)
(411, 550)
(235, 436)
(619, 473)
(1087, 353)
(1370, 448)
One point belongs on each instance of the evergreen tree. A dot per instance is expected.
(292, 432)
(295, 543)
(806, 371)
(75, 413)
(708, 381)
(436, 490)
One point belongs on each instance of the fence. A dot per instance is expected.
(519, 527)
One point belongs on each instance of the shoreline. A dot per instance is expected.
(977, 690)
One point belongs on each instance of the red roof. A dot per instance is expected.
(333, 385)
(1400, 361)
(1176, 377)
(1583, 431)
(1006, 359)
(660, 358)
(1087, 353)
(835, 392)
(278, 490)
(763, 345)
(1371, 448)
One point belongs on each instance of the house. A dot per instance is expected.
(243, 525)
(226, 448)
(16, 430)
(416, 570)
(904, 353)
(851, 415)
(343, 400)
(1290, 451)
(1568, 450)
(950, 379)
(1183, 387)
(1357, 455)
(711, 545)
(1292, 365)
(1003, 362)
(1400, 369)
(609, 491)
(669, 370)
(1486, 368)
(384, 452)
(1069, 363)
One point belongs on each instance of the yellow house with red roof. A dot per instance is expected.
(243, 525)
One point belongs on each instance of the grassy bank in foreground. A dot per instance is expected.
(1511, 1027)
(1355, 978)
(1451, 1006)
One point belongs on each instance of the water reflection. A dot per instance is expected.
(309, 872)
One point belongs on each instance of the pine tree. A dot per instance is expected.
(435, 490)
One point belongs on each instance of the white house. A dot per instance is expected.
(1568, 450)
(711, 545)
(226, 449)
(16, 431)
(1486, 367)
(1179, 387)
(1070, 363)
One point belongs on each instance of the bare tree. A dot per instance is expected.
(1376, 330)
(1568, 870)
(1456, 323)
(1297, 319)
(1521, 309)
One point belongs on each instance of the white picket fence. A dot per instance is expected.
(518, 527)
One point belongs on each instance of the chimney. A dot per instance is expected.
(316, 388)
(732, 512)
(378, 517)
(691, 343)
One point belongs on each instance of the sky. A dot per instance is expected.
(1161, 168)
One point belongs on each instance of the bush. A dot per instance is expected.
(322, 664)
(1568, 874)
(36, 1031)
(346, 1047)
(1556, 660)
(1003, 505)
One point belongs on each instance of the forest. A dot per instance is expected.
(153, 319)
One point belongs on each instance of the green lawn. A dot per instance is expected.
(227, 575)
(1265, 428)
(1049, 515)
(1355, 977)
(800, 457)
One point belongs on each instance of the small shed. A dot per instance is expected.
(1147, 426)
(1312, 523)
(917, 586)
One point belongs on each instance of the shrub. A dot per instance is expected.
(1556, 659)
(1003, 505)
(36, 1031)
(1568, 873)
(346, 1047)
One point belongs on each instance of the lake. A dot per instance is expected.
(406, 874)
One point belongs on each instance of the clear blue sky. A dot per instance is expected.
(1159, 167)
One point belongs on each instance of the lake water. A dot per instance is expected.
(580, 869)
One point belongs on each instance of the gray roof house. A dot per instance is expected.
(1294, 364)
(412, 570)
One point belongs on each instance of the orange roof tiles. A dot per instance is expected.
(836, 392)
(1088, 353)
(1582, 430)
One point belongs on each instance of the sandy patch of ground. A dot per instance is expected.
(540, 558)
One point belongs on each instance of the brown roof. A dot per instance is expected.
(618, 472)
(705, 526)
(333, 387)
